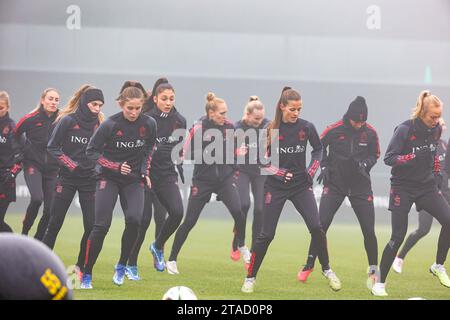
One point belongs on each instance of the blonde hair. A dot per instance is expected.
(44, 93)
(212, 102)
(253, 104)
(74, 103)
(130, 93)
(424, 101)
(5, 97)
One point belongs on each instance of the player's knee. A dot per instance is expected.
(245, 206)
(265, 237)
(317, 232)
(99, 232)
(396, 240)
(133, 221)
(36, 201)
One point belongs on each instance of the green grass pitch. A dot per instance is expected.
(206, 268)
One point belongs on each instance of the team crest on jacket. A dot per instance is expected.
(142, 131)
(119, 133)
(59, 188)
(397, 200)
(268, 198)
(6, 130)
(30, 170)
(302, 135)
(194, 191)
(342, 137)
(102, 184)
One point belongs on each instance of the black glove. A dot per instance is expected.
(439, 179)
(218, 198)
(181, 172)
(324, 175)
(7, 176)
(363, 168)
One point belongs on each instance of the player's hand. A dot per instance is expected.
(242, 151)
(362, 168)
(324, 175)
(148, 182)
(125, 168)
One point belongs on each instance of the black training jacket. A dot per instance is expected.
(253, 147)
(343, 149)
(408, 169)
(218, 170)
(9, 149)
(162, 164)
(293, 139)
(68, 145)
(32, 132)
(118, 140)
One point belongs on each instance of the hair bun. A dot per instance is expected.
(210, 96)
(253, 98)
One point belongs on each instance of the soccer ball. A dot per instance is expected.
(179, 293)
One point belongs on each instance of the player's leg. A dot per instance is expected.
(169, 195)
(399, 204)
(132, 271)
(4, 227)
(329, 204)
(365, 212)
(199, 196)
(425, 220)
(33, 180)
(305, 203)
(243, 186)
(274, 201)
(64, 193)
(86, 194)
(257, 183)
(132, 203)
(106, 194)
(159, 215)
(48, 186)
(435, 204)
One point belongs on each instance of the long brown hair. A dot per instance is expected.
(130, 93)
(287, 94)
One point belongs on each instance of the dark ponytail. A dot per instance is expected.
(150, 104)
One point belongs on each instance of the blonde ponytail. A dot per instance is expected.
(253, 103)
(424, 101)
